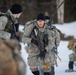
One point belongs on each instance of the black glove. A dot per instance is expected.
(13, 36)
(34, 41)
(42, 53)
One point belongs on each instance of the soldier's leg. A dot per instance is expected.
(52, 71)
(71, 61)
(41, 71)
(47, 68)
(46, 73)
(35, 72)
(52, 59)
(33, 63)
(40, 66)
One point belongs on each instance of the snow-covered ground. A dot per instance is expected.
(67, 29)
(63, 64)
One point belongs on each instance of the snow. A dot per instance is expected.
(67, 29)
(24, 55)
(21, 27)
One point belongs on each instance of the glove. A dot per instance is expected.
(42, 53)
(13, 36)
(34, 41)
(46, 66)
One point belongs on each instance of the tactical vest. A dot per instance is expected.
(41, 36)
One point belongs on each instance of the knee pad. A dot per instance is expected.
(46, 67)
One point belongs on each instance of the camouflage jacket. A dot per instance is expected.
(7, 25)
(6, 20)
(53, 35)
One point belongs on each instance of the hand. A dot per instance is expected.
(34, 41)
(42, 53)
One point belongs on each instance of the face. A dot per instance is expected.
(17, 15)
(41, 23)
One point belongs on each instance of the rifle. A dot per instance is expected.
(39, 44)
(56, 53)
(13, 30)
(51, 20)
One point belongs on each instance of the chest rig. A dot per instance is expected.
(40, 35)
(9, 23)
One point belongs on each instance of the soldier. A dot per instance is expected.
(9, 24)
(48, 21)
(40, 40)
(72, 56)
(11, 62)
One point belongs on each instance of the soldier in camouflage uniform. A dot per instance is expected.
(53, 59)
(8, 22)
(72, 56)
(40, 40)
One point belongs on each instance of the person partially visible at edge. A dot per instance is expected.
(72, 56)
(40, 41)
(9, 23)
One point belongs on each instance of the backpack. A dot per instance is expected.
(4, 34)
(4, 17)
(71, 45)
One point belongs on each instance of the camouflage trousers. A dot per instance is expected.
(46, 63)
(35, 62)
(52, 59)
(32, 57)
(72, 57)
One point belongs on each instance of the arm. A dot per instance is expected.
(3, 22)
(57, 41)
(53, 39)
(27, 32)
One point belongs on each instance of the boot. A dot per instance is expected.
(46, 73)
(35, 72)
